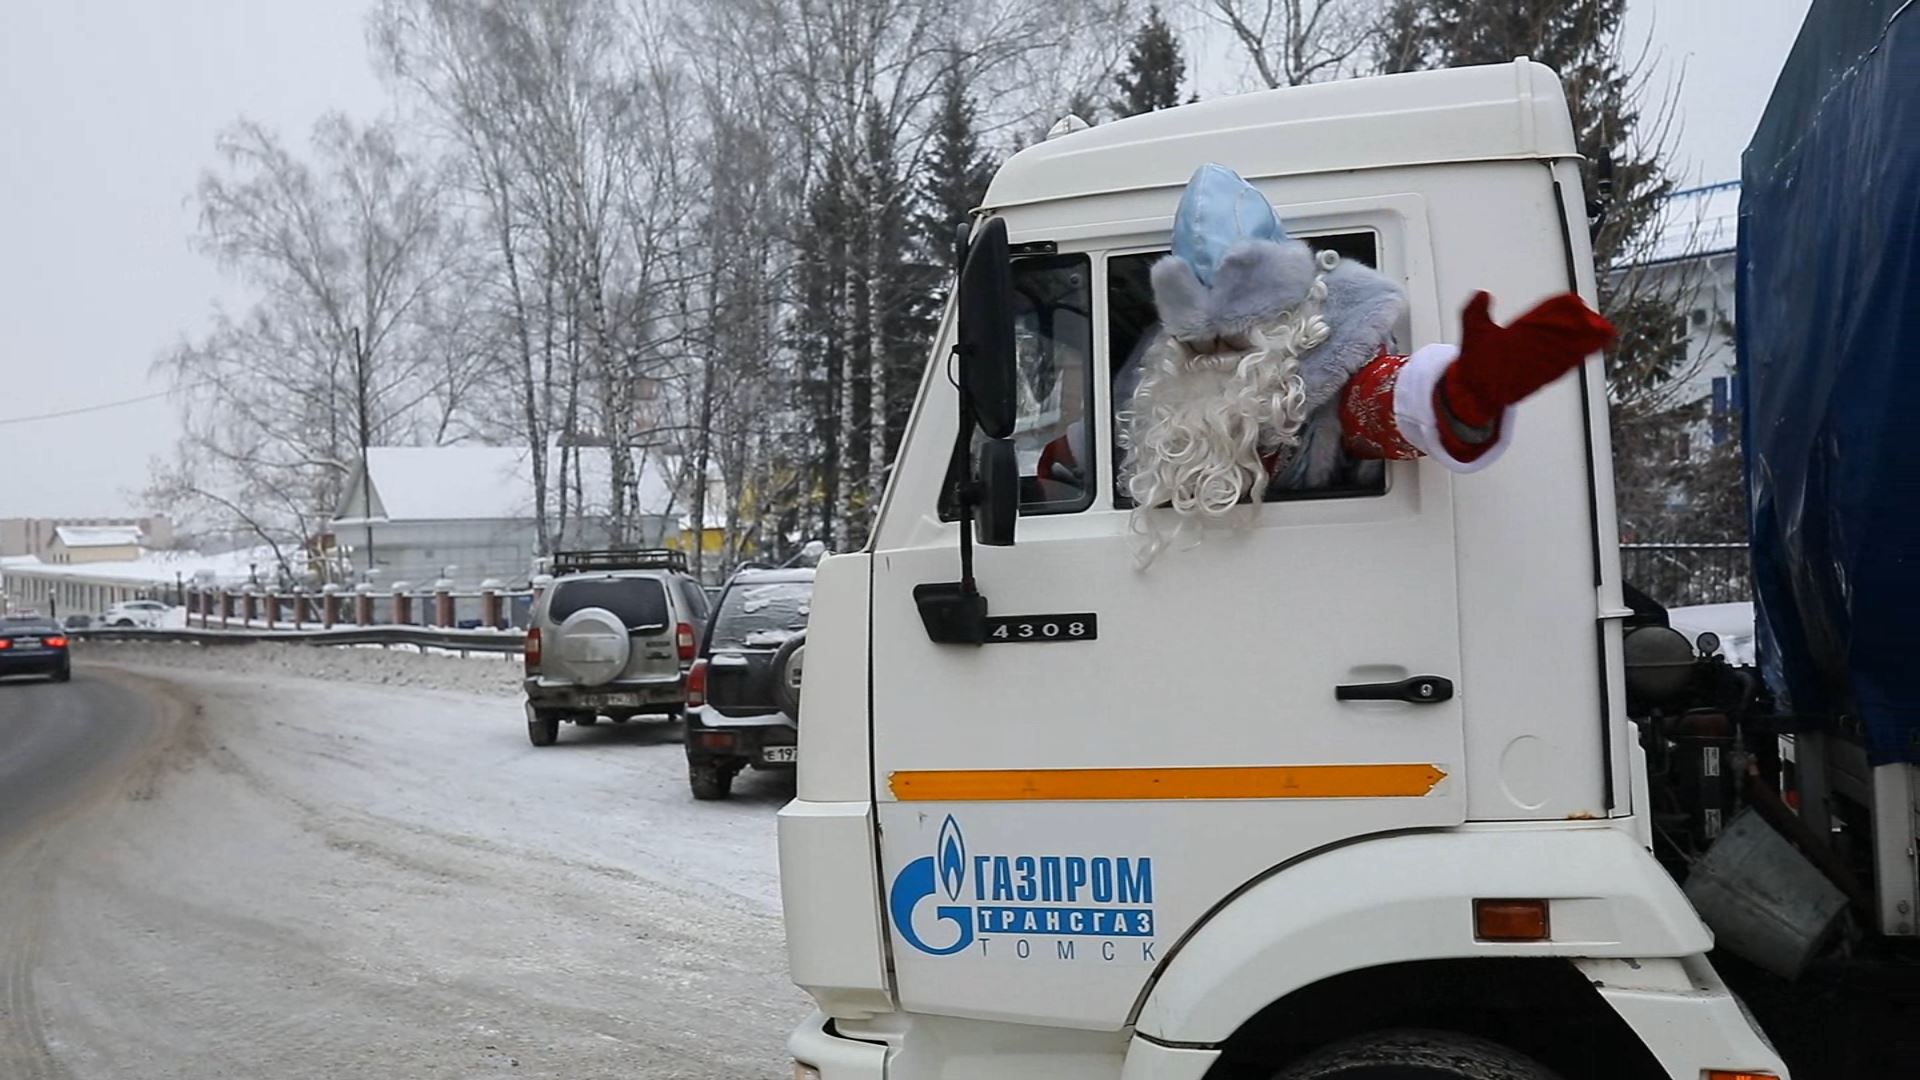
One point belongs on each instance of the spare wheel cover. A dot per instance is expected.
(592, 646)
(786, 674)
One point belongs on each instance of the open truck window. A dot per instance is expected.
(1132, 323)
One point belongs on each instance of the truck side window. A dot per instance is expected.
(1053, 434)
(1132, 323)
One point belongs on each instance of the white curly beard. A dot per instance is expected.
(1199, 423)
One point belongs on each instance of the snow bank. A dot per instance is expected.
(489, 674)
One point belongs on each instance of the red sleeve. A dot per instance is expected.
(1371, 418)
(1057, 452)
(1367, 418)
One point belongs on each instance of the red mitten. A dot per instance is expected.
(1502, 365)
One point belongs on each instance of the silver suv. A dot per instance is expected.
(612, 636)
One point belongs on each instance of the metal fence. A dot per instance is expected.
(1683, 574)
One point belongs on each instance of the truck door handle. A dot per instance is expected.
(1418, 690)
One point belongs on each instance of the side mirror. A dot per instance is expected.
(986, 331)
(997, 480)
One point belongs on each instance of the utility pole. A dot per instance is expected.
(366, 435)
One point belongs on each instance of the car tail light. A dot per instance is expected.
(697, 684)
(6, 643)
(684, 635)
(57, 641)
(533, 648)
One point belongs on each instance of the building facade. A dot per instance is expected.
(34, 536)
(466, 513)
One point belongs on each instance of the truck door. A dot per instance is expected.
(1058, 806)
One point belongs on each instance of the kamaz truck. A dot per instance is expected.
(1399, 781)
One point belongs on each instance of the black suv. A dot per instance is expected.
(743, 694)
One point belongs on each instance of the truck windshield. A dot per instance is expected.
(637, 602)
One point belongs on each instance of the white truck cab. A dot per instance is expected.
(1136, 831)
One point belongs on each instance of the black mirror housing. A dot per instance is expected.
(987, 373)
(997, 479)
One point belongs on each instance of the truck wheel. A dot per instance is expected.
(1416, 1055)
(543, 730)
(709, 779)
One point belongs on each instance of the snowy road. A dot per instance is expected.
(310, 879)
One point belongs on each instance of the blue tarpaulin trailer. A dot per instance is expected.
(1828, 339)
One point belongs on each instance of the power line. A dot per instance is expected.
(102, 406)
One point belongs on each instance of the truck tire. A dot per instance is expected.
(709, 780)
(543, 729)
(1408, 1054)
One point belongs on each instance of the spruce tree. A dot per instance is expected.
(955, 176)
(1154, 71)
(1581, 41)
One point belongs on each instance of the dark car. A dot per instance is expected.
(742, 694)
(34, 646)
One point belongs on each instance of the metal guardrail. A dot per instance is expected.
(422, 637)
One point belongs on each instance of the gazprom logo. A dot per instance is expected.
(1063, 896)
(916, 883)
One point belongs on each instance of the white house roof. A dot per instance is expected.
(492, 483)
(1697, 222)
(86, 536)
(151, 568)
(1493, 112)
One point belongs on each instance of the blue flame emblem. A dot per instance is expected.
(920, 880)
(953, 858)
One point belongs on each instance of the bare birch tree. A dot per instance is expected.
(1293, 42)
(347, 251)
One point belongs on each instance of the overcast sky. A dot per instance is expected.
(108, 114)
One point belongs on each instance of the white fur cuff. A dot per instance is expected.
(1414, 413)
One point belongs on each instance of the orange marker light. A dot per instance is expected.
(1510, 920)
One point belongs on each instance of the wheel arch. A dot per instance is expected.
(1402, 899)
(1541, 1007)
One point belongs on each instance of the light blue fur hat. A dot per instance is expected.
(1234, 268)
(1217, 211)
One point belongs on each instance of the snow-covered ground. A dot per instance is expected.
(484, 673)
(322, 876)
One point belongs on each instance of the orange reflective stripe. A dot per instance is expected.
(1235, 782)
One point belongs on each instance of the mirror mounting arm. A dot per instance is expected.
(954, 612)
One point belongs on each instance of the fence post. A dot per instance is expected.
(490, 604)
(329, 605)
(226, 608)
(363, 604)
(443, 603)
(251, 605)
(402, 604)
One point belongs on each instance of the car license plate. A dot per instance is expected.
(27, 642)
(780, 753)
(613, 699)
